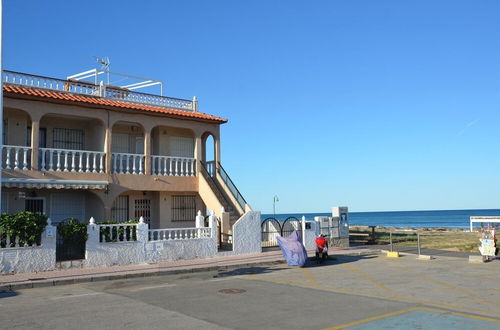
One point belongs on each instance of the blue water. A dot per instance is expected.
(416, 219)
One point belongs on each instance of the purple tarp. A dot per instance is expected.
(293, 250)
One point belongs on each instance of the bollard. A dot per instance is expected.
(390, 240)
(418, 243)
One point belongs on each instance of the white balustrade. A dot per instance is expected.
(7, 241)
(66, 160)
(80, 87)
(175, 166)
(124, 163)
(16, 158)
(116, 233)
(179, 233)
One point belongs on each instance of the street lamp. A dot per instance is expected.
(275, 199)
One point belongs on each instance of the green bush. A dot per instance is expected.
(72, 230)
(28, 226)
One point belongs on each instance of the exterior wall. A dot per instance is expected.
(209, 197)
(310, 235)
(93, 131)
(31, 259)
(161, 138)
(247, 234)
(99, 123)
(17, 123)
(165, 210)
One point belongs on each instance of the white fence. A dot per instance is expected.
(66, 160)
(124, 163)
(16, 158)
(177, 166)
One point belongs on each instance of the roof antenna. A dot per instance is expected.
(104, 62)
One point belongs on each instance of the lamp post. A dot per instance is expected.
(275, 199)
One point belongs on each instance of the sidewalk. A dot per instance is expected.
(80, 275)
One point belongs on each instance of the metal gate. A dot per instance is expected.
(271, 228)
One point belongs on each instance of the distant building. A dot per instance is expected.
(74, 149)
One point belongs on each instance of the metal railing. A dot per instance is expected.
(232, 187)
(84, 88)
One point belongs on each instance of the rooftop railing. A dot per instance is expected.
(103, 91)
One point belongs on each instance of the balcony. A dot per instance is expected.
(103, 91)
(64, 160)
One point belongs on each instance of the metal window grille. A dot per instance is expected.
(142, 208)
(119, 211)
(68, 138)
(183, 208)
(34, 205)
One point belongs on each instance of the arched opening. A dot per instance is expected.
(209, 152)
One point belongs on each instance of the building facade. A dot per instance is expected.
(73, 149)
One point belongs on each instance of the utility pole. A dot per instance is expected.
(275, 199)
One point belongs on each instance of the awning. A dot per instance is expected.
(52, 184)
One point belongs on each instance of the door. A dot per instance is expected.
(67, 206)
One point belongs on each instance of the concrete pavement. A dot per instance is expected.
(366, 291)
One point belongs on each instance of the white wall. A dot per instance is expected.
(247, 234)
(31, 259)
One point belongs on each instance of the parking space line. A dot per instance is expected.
(406, 310)
(444, 284)
(370, 295)
(77, 295)
(358, 272)
(309, 276)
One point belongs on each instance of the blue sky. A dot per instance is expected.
(377, 105)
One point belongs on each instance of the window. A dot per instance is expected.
(66, 138)
(119, 211)
(142, 208)
(183, 208)
(5, 202)
(34, 204)
(180, 146)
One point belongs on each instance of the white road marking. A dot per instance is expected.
(77, 295)
(151, 287)
(219, 279)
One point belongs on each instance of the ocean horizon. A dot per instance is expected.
(415, 219)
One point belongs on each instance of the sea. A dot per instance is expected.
(414, 219)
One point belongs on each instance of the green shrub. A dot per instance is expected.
(72, 230)
(28, 226)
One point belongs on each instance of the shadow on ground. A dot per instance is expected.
(336, 260)
(7, 293)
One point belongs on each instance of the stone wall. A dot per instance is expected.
(31, 258)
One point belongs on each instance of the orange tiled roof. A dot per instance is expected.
(54, 95)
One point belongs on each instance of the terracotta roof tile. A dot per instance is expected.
(106, 102)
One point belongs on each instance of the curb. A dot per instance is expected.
(95, 278)
(5, 287)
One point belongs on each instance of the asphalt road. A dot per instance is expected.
(364, 291)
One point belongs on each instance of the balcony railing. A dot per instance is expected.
(108, 92)
(65, 160)
(176, 166)
(16, 158)
(124, 163)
